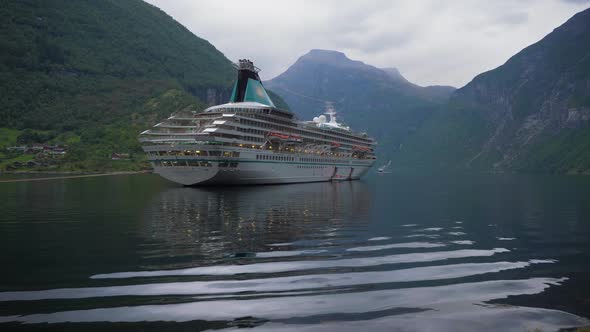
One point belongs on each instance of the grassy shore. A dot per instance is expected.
(60, 176)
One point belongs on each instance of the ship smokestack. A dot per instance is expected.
(248, 87)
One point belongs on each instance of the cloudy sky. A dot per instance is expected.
(429, 41)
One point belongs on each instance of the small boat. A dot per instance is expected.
(384, 168)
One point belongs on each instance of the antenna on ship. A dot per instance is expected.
(245, 64)
(329, 110)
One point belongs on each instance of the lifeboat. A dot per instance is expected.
(361, 148)
(293, 138)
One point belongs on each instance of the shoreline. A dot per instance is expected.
(73, 175)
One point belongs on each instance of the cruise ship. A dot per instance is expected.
(251, 141)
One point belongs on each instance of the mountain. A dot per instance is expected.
(93, 74)
(380, 101)
(530, 114)
(66, 62)
(438, 93)
(395, 74)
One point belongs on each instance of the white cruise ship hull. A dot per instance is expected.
(256, 167)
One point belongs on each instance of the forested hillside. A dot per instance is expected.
(531, 114)
(93, 74)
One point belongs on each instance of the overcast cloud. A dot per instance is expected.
(429, 41)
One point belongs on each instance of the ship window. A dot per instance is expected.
(233, 164)
(227, 154)
(235, 154)
(200, 153)
(165, 163)
(205, 164)
(222, 165)
(188, 153)
(193, 163)
(215, 153)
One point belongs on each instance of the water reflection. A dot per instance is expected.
(288, 266)
(313, 257)
(449, 308)
(218, 222)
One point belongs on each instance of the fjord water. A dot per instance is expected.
(391, 252)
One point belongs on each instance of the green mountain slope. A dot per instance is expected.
(64, 63)
(93, 74)
(530, 114)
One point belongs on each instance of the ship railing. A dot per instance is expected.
(309, 150)
(167, 125)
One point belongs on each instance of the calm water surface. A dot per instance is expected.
(392, 252)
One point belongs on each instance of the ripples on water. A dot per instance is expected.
(319, 257)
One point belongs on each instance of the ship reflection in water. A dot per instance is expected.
(241, 221)
(308, 257)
